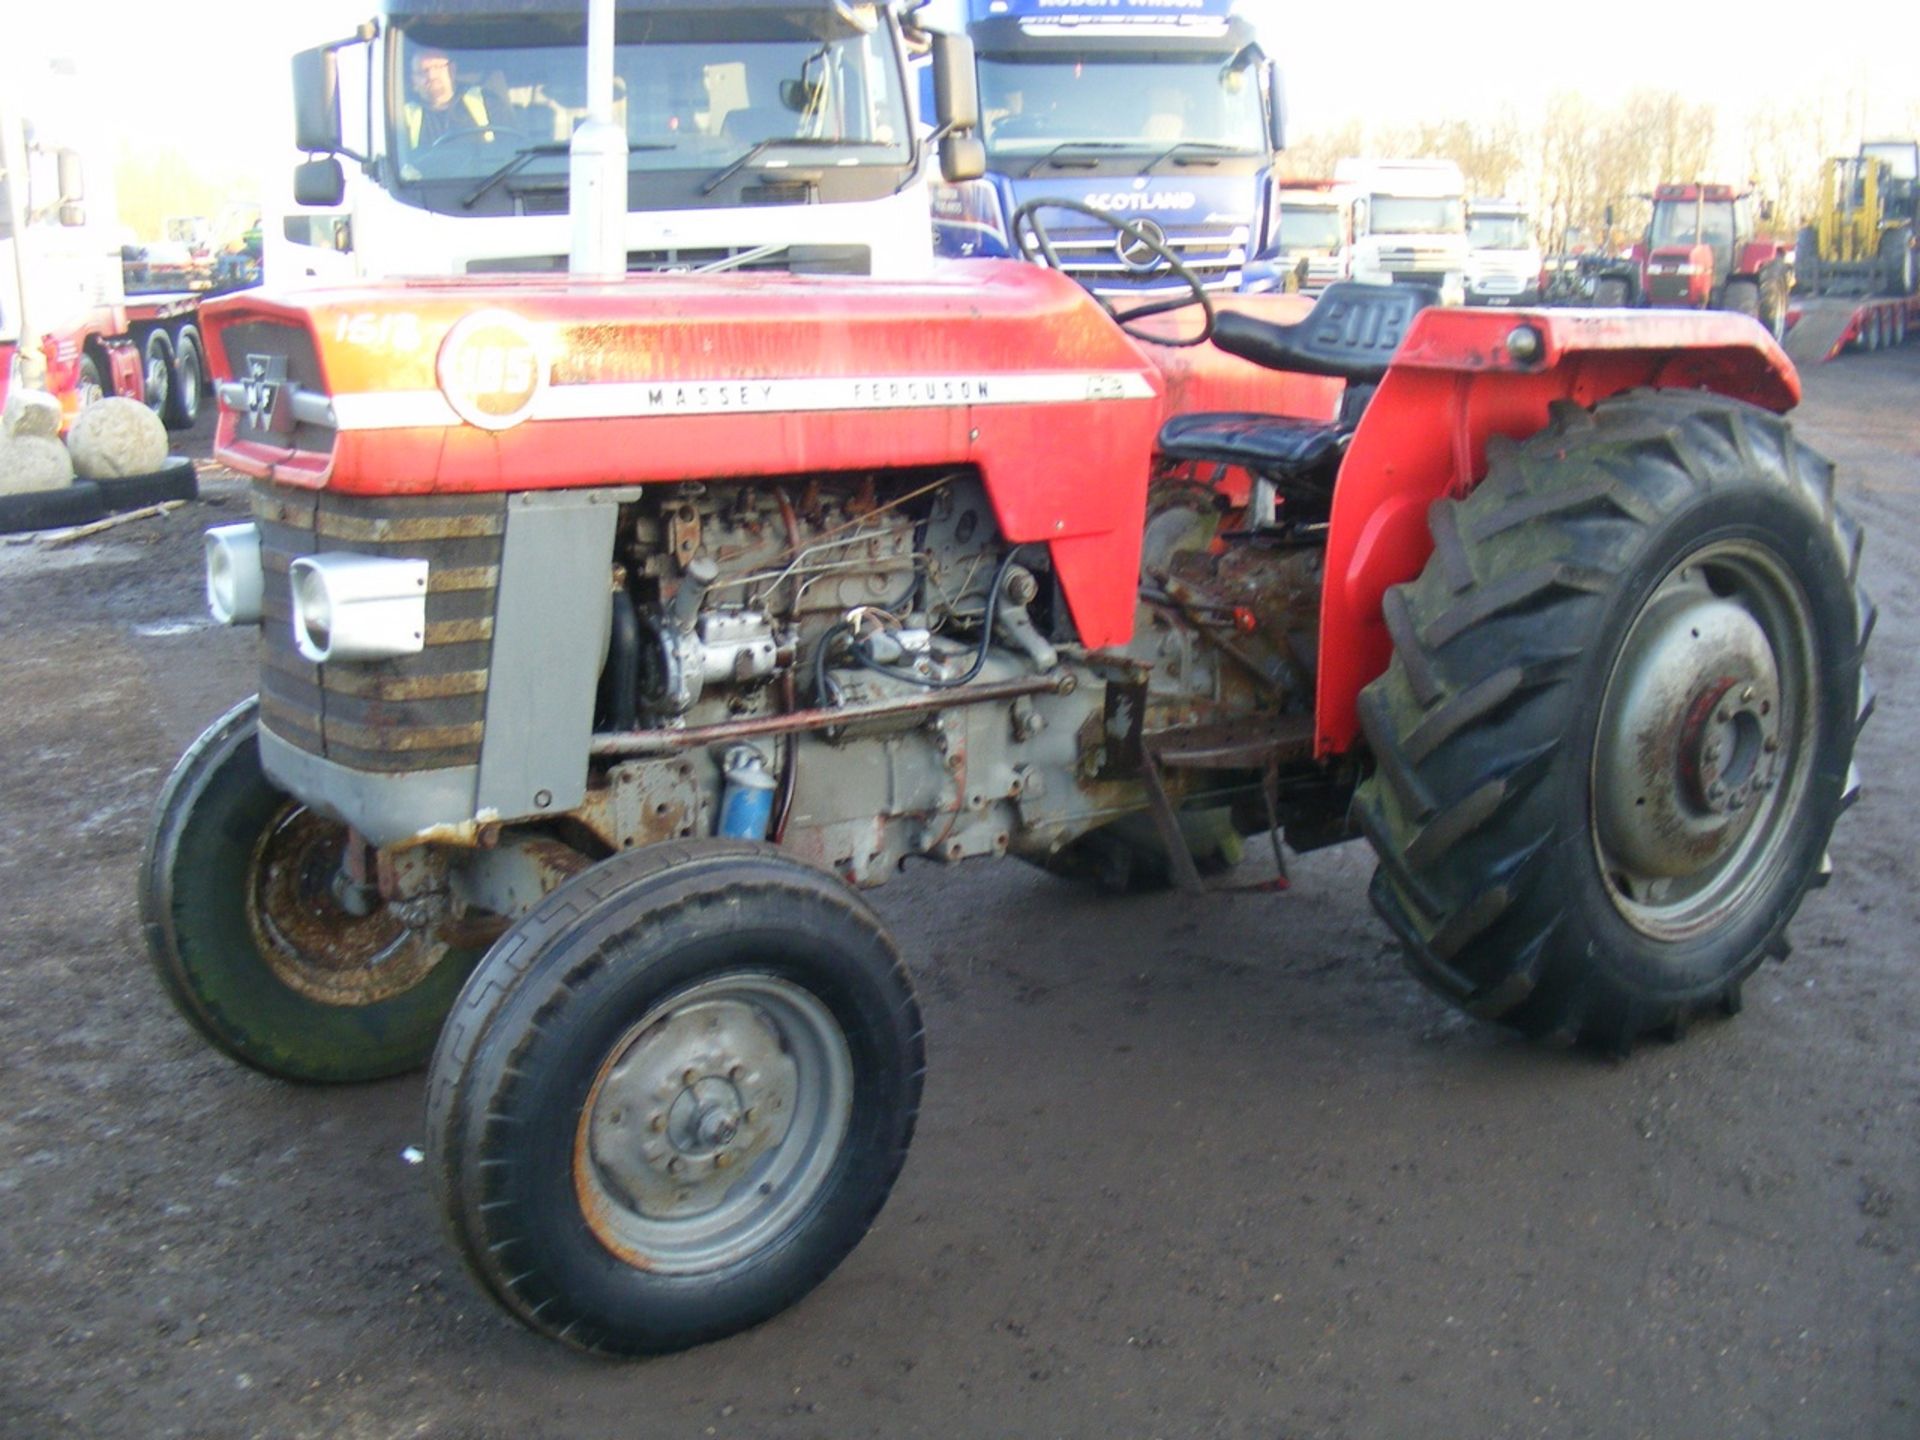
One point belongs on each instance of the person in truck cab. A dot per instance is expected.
(442, 110)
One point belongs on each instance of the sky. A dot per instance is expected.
(210, 76)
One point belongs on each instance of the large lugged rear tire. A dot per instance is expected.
(1619, 721)
(674, 1096)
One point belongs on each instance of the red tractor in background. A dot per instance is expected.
(614, 633)
(1703, 251)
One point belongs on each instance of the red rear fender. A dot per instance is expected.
(1455, 384)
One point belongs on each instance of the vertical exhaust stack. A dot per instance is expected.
(597, 162)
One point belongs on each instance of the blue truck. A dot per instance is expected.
(1164, 112)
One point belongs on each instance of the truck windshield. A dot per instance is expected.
(694, 91)
(1687, 222)
(1309, 228)
(1033, 106)
(1418, 215)
(1498, 232)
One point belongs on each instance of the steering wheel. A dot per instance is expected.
(470, 132)
(1027, 221)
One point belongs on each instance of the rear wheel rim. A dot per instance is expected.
(156, 378)
(713, 1125)
(1702, 756)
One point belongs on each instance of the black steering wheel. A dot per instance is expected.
(1027, 222)
(476, 133)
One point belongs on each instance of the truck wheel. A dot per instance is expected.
(1610, 292)
(251, 943)
(88, 386)
(1618, 724)
(185, 392)
(674, 1097)
(1742, 298)
(157, 371)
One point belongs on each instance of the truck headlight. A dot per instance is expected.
(358, 607)
(233, 574)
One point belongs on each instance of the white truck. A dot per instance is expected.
(1409, 223)
(1316, 231)
(67, 324)
(759, 134)
(1504, 263)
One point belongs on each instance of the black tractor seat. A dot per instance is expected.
(1352, 333)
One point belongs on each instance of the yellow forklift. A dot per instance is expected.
(1862, 238)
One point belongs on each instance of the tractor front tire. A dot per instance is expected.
(1618, 724)
(252, 945)
(1742, 298)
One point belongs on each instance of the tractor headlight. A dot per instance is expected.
(233, 574)
(358, 607)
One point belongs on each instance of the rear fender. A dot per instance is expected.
(1456, 384)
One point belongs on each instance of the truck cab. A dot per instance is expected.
(1504, 264)
(1163, 112)
(760, 134)
(1316, 232)
(1410, 223)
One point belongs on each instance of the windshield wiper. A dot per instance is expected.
(1048, 158)
(525, 155)
(1212, 147)
(760, 147)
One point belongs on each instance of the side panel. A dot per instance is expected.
(1454, 386)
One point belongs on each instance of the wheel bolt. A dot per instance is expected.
(722, 1160)
(734, 1072)
(657, 1123)
(676, 1165)
(1746, 696)
(1771, 744)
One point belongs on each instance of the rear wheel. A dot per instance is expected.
(675, 1096)
(1618, 726)
(88, 384)
(157, 371)
(1742, 298)
(184, 393)
(253, 945)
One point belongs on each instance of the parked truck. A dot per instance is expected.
(1164, 111)
(1410, 223)
(759, 134)
(67, 324)
(1316, 232)
(1504, 264)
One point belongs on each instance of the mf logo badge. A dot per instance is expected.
(1135, 246)
(492, 368)
(269, 407)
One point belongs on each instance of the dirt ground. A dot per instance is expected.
(1213, 1168)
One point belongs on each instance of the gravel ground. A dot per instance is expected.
(1213, 1168)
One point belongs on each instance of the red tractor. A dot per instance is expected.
(1702, 251)
(613, 635)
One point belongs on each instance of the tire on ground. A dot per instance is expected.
(234, 880)
(1742, 298)
(1496, 803)
(186, 387)
(156, 371)
(588, 1014)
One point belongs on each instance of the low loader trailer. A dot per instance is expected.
(614, 634)
(1826, 327)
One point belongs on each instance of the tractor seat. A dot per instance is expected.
(1264, 444)
(1352, 332)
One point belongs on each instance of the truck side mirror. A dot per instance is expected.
(319, 182)
(1360, 217)
(316, 101)
(956, 93)
(1276, 108)
(962, 157)
(73, 179)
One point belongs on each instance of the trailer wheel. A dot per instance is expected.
(185, 392)
(1618, 724)
(252, 945)
(157, 371)
(674, 1096)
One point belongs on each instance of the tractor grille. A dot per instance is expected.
(1215, 254)
(419, 712)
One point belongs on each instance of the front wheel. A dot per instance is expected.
(252, 943)
(674, 1096)
(1619, 722)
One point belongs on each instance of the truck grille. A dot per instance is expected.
(1417, 260)
(1215, 253)
(419, 712)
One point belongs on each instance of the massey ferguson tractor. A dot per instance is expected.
(615, 634)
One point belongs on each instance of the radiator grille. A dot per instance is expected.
(419, 712)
